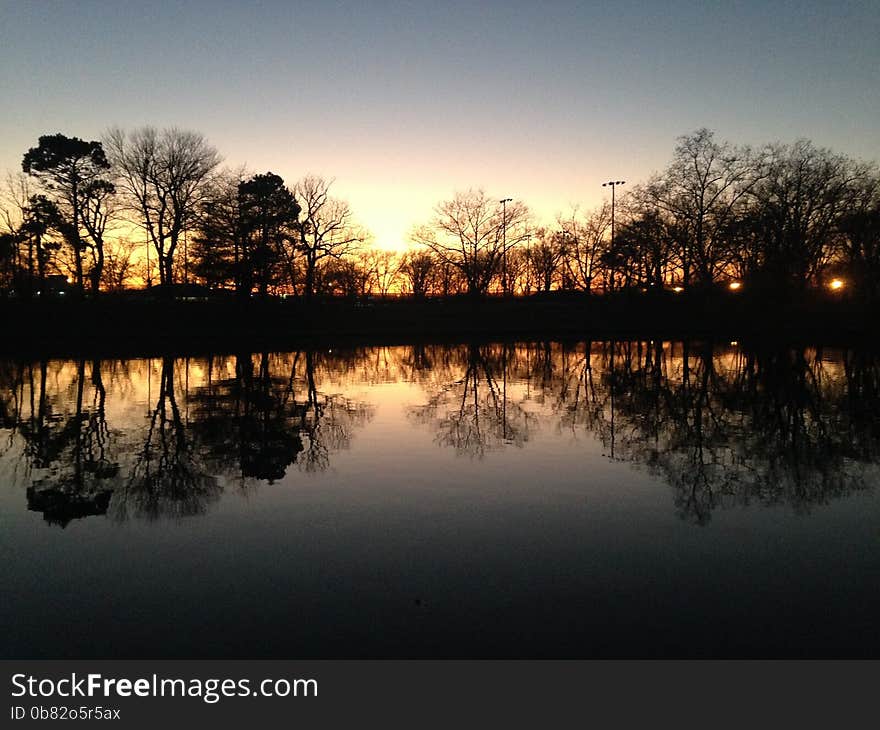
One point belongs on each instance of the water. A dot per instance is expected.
(483, 500)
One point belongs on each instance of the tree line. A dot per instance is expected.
(155, 206)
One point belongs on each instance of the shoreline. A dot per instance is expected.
(141, 326)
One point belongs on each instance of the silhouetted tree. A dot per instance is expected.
(859, 228)
(649, 243)
(69, 170)
(797, 206)
(585, 245)
(546, 256)
(120, 264)
(163, 176)
(218, 244)
(326, 229)
(269, 213)
(702, 188)
(467, 233)
(416, 272)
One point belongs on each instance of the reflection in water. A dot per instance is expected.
(262, 415)
(719, 425)
(163, 438)
(472, 413)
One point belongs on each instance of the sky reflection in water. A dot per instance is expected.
(539, 499)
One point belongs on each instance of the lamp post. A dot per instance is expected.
(504, 202)
(613, 185)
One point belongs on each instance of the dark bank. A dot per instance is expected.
(195, 319)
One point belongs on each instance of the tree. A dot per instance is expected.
(384, 268)
(41, 217)
(546, 256)
(13, 210)
(797, 208)
(416, 271)
(649, 242)
(98, 211)
(325, 229)
(269, 212)
(69, 170)
(585, 245)
(859, 229)
(702, 189)
(120, 264)
(217, 245)
(164, 177)
(468, 233)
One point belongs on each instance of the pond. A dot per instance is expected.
(520, 499)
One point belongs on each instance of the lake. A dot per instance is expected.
(521, 499)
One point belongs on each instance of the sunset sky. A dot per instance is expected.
(405, 102)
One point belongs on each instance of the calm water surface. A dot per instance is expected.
(519, 500)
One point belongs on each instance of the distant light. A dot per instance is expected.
(70, 280)
(734, 285)
(836, 284)
(678, 289)
(734, 343)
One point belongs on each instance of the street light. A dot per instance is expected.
(504, 202)
(613, 185)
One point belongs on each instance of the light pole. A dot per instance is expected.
(504, 203)
(612, 184)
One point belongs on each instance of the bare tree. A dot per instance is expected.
(385, 269)
(797, 206)
(585, 245)
(702, 188)
(163, 175)
(416, 271)
(468, 233)
(325, 230)
(546, 256)
(120, 264)
(860, 234)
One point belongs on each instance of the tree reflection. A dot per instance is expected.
(66, 450)
(727, 427)
(474, 413)
(721, 425)
(270, 416)
(168, 477)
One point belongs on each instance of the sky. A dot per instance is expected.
(404, 103)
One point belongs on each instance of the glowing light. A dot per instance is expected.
(734, 343)
(734, 285)
(678, 289)
(836, 284)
